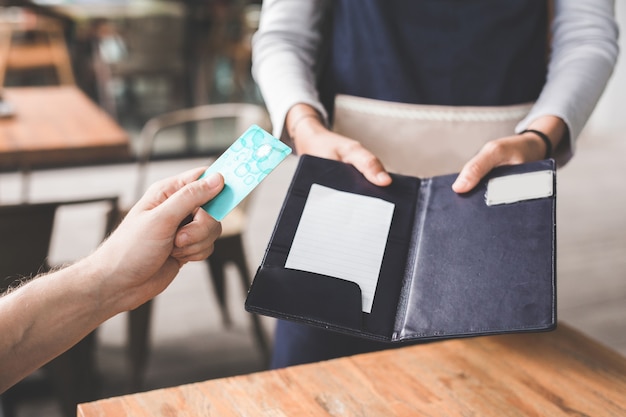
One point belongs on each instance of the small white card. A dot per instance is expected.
(342, 235)
(519, 187)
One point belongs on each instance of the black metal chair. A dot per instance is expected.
(25, 235)
(229, 248)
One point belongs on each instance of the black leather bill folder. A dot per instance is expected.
(413, 260)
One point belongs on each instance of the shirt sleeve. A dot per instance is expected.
(583, 54)
(285, 56)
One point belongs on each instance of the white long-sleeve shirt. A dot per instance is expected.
(583, 54)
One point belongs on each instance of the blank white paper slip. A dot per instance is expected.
(342, 235)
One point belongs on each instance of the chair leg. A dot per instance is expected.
(234, 245)
(7, 404)
(216, 263)
(259, 331)
(139, 344)
(246, 281)
(23, 392)
(73, 375)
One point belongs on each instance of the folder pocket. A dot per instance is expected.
(306, 297)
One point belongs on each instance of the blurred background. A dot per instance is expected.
(139, 60)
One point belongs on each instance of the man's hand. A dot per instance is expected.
(144, 254)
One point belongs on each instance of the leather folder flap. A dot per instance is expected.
(481, 269)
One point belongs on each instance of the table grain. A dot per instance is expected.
(559, 373)
(57, 126)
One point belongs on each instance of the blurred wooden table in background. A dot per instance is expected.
(57, 127)
(561, 373)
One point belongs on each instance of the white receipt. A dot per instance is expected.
(342, 235)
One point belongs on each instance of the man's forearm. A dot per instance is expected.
(45, 317)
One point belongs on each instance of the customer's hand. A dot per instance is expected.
(510, 150)
(146, 251)
(311, 137)
(48, 315)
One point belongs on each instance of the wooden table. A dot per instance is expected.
(561, 373)
(82, 11)
(57, 126)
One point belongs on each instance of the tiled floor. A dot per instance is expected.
(189, 342)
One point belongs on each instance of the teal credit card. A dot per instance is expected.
(244, 165)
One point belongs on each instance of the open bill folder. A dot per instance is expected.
(413, 260)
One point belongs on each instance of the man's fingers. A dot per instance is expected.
(194, 253)
(192, 195)
(163, 189)
(202, 229)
